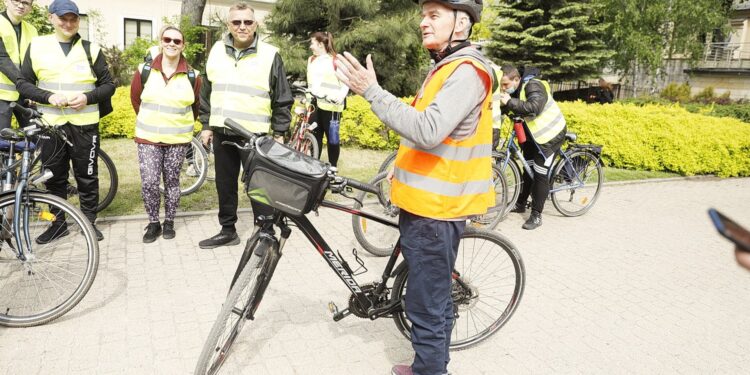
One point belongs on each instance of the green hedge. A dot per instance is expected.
(644, 137)
(740, 111)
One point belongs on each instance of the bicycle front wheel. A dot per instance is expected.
(194, 168)
(389, 161)
(309, 145)
(56, 275)
(377, 239)
(495, 213)
(488, 283)
(575, 185)
(513, 180)
(239, 307)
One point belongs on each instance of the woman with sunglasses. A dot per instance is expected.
(167, 105)
(322, 82)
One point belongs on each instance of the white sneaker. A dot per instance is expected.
(192, 171)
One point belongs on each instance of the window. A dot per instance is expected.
(136, 29)
(83, 27)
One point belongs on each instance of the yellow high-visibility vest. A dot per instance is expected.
(547, 124)
(68, 75)
(16, 53)
(453, 179)
(240, 89)
(166, 113)
(330, 86)
(497, 114)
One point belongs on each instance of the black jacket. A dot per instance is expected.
(281, 94)
(536, 99)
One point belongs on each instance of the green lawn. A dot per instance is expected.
(353, 162)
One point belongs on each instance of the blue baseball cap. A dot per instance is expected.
(63, 7)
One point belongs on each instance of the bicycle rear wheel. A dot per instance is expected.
(108, 182)
(513, 180)
(576, 185)
(56, 275)
(389, 161)
(376, 238)
(239, 307)
(489, 279)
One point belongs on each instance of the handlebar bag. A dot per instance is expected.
(283, 178)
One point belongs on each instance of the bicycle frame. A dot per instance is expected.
(338, 265)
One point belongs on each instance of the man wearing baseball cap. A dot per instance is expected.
(68, 78)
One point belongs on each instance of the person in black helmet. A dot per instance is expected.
(451, 112)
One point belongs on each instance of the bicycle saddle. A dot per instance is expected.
(571, 137)
(11, 134)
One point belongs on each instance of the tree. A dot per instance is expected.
(192, 10)
(645, 32)
(387, 29)
(563, 38)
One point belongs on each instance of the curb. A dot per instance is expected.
(144, 217)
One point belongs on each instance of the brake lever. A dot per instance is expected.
(246, 147)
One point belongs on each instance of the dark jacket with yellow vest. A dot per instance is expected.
(11, 55)
(443, 168)
(535, 104)
(47, 70)
(248, 86)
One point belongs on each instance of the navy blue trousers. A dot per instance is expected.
(430, 248)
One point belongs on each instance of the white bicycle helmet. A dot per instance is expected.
(471, 7)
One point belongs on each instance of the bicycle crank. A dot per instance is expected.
(337, 315)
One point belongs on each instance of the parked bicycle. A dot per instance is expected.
(196, 168)
(39, 282)
(576, 175)
(488, 278)
(302, 138)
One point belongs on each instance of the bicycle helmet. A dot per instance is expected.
(472, 7)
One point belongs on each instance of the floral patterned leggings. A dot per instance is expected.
(156, 161)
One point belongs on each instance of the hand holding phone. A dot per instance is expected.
(731, 230)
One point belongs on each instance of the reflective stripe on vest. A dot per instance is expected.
(550, 122)
(16, 53)
(453, 179)
(67, 75)
(497, 114)
(240, 88)
(166, 112)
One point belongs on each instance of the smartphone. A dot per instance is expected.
(731, 230)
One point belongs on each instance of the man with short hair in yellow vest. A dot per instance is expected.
(245, 81)
(69, 86)
(443, 168)
(545, 129)
(16, 35)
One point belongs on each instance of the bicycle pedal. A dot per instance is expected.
(332, 308)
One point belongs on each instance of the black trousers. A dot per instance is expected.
(6, 113)
(57, 156)
(540, 158)
(228, 161)
(323, 118)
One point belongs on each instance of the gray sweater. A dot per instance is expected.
(454, 112)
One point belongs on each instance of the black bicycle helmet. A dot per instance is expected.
(472, 7)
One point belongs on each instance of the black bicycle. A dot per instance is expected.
(488, 279)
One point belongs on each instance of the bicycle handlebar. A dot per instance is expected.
(26, 112)
(242, 132)
(360, 185)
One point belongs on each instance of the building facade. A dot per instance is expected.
(119, 22)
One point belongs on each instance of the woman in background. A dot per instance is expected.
(322, 82)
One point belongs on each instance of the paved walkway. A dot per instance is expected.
(641, 284)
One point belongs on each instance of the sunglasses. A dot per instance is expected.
(168, 40)
(237, 23)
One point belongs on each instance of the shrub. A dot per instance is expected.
(706, 96)
(663, 138)
(676, 92)
(359, 126)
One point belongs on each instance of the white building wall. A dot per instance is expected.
(114, 12)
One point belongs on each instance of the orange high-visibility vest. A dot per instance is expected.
(453, 179)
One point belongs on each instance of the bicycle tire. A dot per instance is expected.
(377, 239)
(47, 272)
(199, 162)
(513, 180)
(388, 162)
(309, 146)
(469, 253)
(111, 176)
(574, 202)
(495, 213)
(247, 291)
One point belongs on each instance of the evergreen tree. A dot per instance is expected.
(387, 29)
(563, 38)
